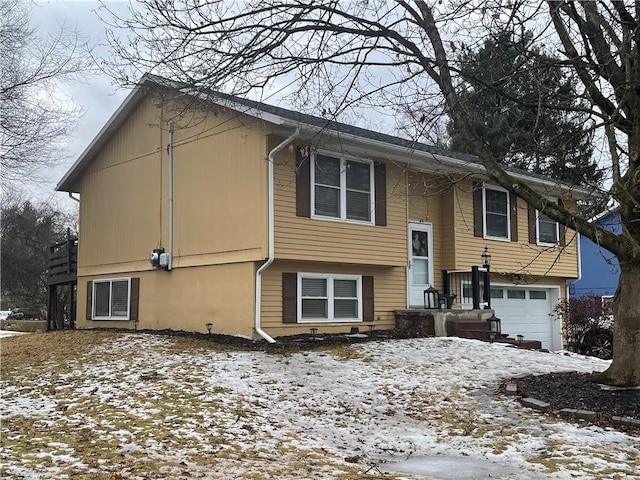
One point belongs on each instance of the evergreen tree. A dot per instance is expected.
(522, 103)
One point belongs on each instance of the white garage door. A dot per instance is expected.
(527, 312)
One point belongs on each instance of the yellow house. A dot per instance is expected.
(218, 212)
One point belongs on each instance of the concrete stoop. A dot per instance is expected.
(473, 324)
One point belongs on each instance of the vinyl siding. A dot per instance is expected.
(428, 203)
(447, 232)
(309, 239)
(389, 294)
(218, 199)
(509, 257)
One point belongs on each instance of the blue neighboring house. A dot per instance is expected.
(600, 267)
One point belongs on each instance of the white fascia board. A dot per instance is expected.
(238, 107)
(424, 161)
(253, 112)
(421, 160)
(417, 158)
(549, 186)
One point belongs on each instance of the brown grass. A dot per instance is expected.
(39, 349)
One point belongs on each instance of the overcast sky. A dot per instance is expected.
(97, 96)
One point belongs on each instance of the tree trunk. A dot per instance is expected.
(625, 368)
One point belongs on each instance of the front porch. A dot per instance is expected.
(475, 324)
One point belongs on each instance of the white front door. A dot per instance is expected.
(420, 271)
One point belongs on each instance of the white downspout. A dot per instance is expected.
(73, 198)
(270, 229)
(170, 162)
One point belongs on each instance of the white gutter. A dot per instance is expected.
(270, 229)
(170, 155)
(415, 157)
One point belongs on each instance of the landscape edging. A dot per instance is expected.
(511, 389)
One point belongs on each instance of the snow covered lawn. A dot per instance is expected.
(101, 405)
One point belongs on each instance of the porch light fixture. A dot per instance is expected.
(209, 327)
(442, 303)
(431, 297)
(494, 324)
(486, 258)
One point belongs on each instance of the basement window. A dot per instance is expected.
(336, 298)
(111, 299)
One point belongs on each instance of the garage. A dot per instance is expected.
(528, 311)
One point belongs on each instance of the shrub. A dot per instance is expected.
(581, 315)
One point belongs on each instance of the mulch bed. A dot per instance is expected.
(579, 391)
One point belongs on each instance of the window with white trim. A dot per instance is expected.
(548, 230)
(111, 299)
(607, 304)
(496, 213)
(342, 188)
(333, 298)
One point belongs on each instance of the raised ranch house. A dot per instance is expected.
(263, 222)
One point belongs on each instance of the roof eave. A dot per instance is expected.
(423, 161)
(69, 180)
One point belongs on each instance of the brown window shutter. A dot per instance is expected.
(562, 230)
(380, 185)
(303, 182)
(513, 204)
(367, 299)
(134, 299)
(289, 298)
(478, 211)
(89, 300)
(533, 225)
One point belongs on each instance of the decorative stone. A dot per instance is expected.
(568, 412)
(535, 403)
(615, 420)
(586, 415)
(511, 389)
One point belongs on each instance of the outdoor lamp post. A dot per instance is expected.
(486, 263)
(494, 325)
(431, 297)
(486, 258)
(209, 327)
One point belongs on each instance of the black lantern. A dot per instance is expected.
(494, 324)
(442, 302)
(486, 258)
(431, 297)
